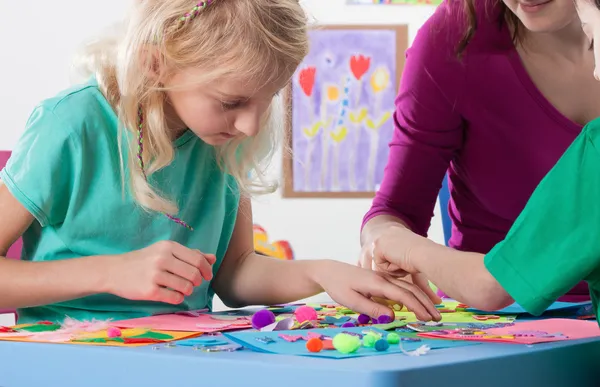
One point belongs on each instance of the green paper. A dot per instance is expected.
(393, 325)
(153, 335)
(40, 328)
(94, 340)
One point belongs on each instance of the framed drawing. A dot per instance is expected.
(340, 107)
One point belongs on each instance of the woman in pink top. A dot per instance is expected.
(493, 92)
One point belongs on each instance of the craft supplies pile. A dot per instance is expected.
(323, 330)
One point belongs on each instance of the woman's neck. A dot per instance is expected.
(569, 43)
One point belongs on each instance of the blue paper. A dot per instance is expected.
(518, 309)
(298, 348)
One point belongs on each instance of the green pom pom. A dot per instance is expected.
(346, 343)
(393, 338)
(369, 340)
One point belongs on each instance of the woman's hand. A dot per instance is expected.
(391, 252)
(164, 272)
(358, 288)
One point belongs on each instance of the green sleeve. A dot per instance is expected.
(554, 243)
(43, 167)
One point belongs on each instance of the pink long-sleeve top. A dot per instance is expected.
(482, 120)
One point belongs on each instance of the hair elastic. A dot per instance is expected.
(140, 156)
(194, 12)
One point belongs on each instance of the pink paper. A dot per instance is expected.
(187, 323)
(527, 332)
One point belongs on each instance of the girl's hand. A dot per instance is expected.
(392, 252)
(164, 272)
(357, 288)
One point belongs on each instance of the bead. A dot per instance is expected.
(113, 332)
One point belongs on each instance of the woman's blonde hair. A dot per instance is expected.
(245, 39)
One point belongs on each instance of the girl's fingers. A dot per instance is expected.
(175, 282)
(419, 299)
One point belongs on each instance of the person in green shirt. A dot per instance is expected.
(552, 245)
(132, 191)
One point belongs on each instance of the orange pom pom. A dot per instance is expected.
(314, 345)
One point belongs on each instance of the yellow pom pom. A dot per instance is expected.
(346, 343)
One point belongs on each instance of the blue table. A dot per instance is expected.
(572, 363)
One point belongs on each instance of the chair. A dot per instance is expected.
(444, 197)
(15, 250)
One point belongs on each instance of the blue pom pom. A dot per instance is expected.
(382, 345)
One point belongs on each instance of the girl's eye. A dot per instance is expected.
(231, 105)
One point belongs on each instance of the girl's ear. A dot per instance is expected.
(152, 63)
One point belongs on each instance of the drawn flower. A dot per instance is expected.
(359, 65)
(380, 79)
(307, 80)
(333, 93)
(340, 135)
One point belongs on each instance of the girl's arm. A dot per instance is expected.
(237, 282)
(39, 283)
(246, 278)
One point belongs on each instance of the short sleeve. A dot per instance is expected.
(554, 244)
(41, 171)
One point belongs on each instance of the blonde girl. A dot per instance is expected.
(132, 191)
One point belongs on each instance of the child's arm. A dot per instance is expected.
(246, 278)
(165, 272)
(38, 283)
(462, 276)
(551, 247)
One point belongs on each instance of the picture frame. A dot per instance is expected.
(339, 111)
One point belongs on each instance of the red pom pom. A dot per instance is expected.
(314, 345)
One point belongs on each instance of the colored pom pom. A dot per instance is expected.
(113, 332)
(369, 340)
(384, 319)
(346, 343)
(382, 345)
(262, 318)
(363, 319)
(314, 345)
(305, 313)
(393, 338)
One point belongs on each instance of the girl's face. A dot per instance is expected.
(543, 15)
(589, 14)
(221, 111)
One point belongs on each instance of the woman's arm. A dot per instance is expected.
(428, 131)
(24, 284)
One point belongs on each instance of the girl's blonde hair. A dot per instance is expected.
(241, 39)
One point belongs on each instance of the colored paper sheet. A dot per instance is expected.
(135, 337)
(458, 317)
(203, 322)
(252, 340)
(518, 309)
(527, 332)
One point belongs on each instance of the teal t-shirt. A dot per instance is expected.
(66, 171)
(554, 243)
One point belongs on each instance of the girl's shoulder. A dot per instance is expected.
(76, 110)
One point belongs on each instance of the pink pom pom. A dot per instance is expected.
(113, 332)
(306, 313)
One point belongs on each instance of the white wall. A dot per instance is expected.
(37, 40)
